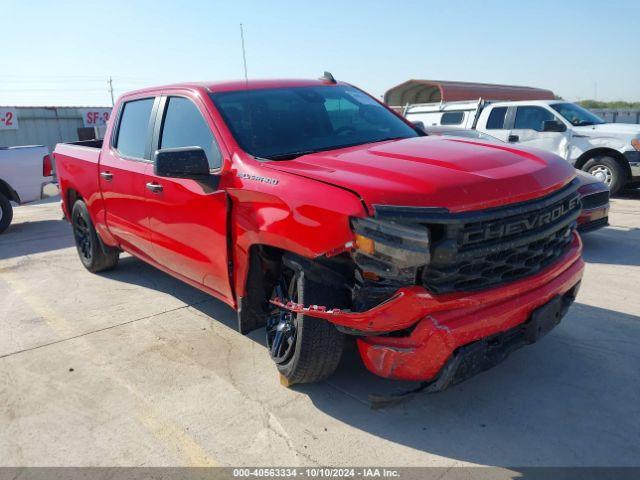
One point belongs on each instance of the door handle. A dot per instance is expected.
(514, 138)
(108, 176)
(154, 187)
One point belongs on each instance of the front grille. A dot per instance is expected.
(478, 250)
(595, 200)
(494, 249)
(501, 266)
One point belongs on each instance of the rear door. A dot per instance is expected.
(496, 122)
(188, 219)
(123, 174)
(527, 129)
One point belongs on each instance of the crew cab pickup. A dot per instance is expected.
(317, 212)
(24, 174)
(609, 151)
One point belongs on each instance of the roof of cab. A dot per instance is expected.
(233, 85)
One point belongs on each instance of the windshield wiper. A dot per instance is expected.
(290, 155)
(386, 139)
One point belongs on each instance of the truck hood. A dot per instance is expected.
(457, 174)
(617, 130)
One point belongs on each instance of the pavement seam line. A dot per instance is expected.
(62, 340)
(160, 426)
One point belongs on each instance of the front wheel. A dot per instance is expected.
(608, 171)
(305, 349)
(94, 255)
(6, 213)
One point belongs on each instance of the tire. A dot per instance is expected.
(608, 170)
(6, 213)
(317, 344)
(94, 255)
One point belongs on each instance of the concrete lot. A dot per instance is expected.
(135, 368)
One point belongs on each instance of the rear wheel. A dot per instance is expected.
(94, 255)
(305, 349)
(6, 213)
(609, 171)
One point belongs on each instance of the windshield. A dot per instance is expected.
(284, 123)
(576, 115)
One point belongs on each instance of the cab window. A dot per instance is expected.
(134, 127)
(496, 118)
(184, 126)
(532, 118)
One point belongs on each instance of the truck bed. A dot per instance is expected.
(77, 168)
(21, 171)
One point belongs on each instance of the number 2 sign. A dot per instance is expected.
(8, 119)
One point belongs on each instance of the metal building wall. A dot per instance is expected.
(44, 126)
(618, 116)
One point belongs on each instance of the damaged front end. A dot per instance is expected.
(425, 282)
(388, 256)
(380, 269)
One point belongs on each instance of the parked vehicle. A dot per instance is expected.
(594, 197)
(318, 213)
(24, 173)
(439, 130)
(594, 193)
(609, 151)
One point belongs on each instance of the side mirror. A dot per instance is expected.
(419, 125)
(553, 126)
(183, 162)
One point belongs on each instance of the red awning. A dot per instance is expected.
(435, 91)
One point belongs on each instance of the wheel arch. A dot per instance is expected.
(71, 197)
(603, 152)
(264, 266)
(9, 192)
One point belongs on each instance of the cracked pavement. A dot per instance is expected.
(133, 367)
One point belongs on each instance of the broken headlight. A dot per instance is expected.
(389, 248)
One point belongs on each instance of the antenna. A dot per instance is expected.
(244, 55)
(327, 77)
(111, 90)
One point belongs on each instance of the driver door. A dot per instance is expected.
(187, 218)
(528, 126)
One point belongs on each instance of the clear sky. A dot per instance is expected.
(62, 52)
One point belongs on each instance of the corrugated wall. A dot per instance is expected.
(44, 126)
(618, 116)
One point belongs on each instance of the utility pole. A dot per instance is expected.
(244, 55)
(111, 90)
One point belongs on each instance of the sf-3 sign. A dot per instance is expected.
(8, 119)
(95, 117)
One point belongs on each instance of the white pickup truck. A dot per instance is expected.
(609, 151)
(24, 174)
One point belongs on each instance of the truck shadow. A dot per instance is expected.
(630, 193)
(27, 238)
(612, 246)
(577, 389)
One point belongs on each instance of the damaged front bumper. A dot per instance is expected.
(437, 337)
(436, 326)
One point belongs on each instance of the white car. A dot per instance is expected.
(24, 174)
(609, 151)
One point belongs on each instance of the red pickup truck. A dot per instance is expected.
(317, 212)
